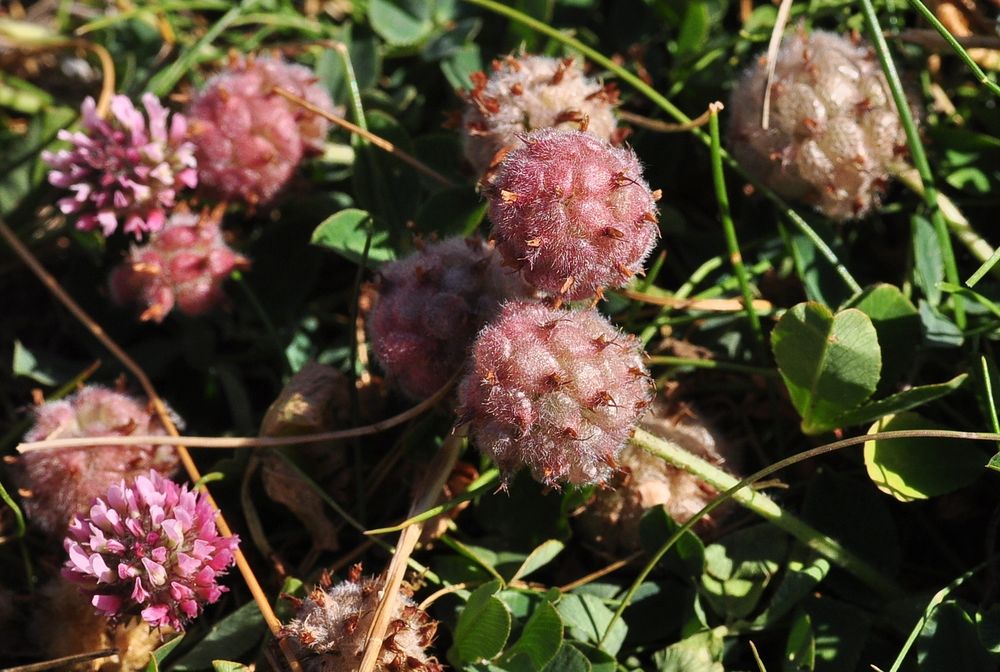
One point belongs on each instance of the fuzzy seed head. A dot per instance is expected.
(183, 266)
(149, 547)
(527, 93)
(611, 521)
(430, 306)
(125, 170)
(834, 132)
(572, 213)
(557, 391)
(330, 628)
(249, 139)
(64, 481)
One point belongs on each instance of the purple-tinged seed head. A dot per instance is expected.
(149, 547)
(126, 170)
(557, 391)
(331, 625)
(64, 481)
(184, 266)
(249, 139)
(573, 213)
(430, 306)
(527, 93)
(834, 133)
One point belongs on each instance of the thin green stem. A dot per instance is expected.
(988, 265)
(476, 488)
(960, 51)
(774, 468)
(675, 112)
(766, 508)
(732, 243)
(916, 151)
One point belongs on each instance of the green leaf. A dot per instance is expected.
(538, 558)
(346, 233)
(694, 29)
(928, 264)
(701, 652)
(161, 653)
(739, 567)
(452, 212)
(542, 636)
(401, 22)
(26, 364)
(897, 324)
(232, 636)
(228, 666)
(919, 468)
(830, 363)
(939, 331)
(687, 557)
(483, 626)
(800, 650)
(588, 617)
(568, 659)
(949, 642)
(798, 580)
(903, 401)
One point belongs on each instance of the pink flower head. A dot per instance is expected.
(150, 547)
(124, 169)
(572, 212)
(64, 481)
(249, 139)
(557, 391)
(183, 265)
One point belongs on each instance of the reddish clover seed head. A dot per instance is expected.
(149, 547)
(430, 306)
(64, 481)
(184, 266)
(249, 139)
(525, 94)
(834, 133)
(555, 390)
(126, 170)
(572, 213)
(331, 625)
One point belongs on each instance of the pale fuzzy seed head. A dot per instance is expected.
(331, 625)
(149, 547)
(611, 521)
(184, 266)
(249, 139)
(64, 481)
(126, 170)
(834, 133)
(527, 93)
(556, 391)
(63, 624)
(430, 306)
(573, 213)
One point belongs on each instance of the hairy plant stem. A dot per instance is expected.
(766, 508)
